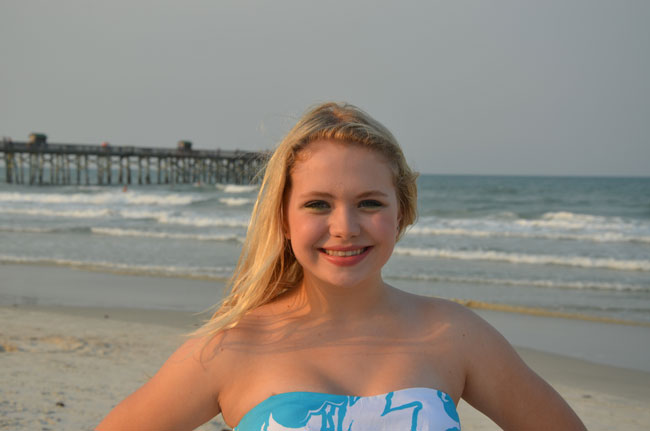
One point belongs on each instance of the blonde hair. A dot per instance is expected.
(267, 266)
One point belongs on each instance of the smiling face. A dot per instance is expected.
(342, 213)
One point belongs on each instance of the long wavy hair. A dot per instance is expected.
(267, 266)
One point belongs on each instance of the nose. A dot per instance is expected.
(344, 223)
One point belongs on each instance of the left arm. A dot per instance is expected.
(501, 385)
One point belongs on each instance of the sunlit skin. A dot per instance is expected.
(343, 330)
(342, 215)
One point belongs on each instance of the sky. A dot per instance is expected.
(554, 87)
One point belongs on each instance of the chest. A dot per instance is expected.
(354, 366)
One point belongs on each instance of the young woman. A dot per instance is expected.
(312, 338)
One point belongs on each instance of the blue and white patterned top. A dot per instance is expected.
(412, 409)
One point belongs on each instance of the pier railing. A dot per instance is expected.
(37, 162)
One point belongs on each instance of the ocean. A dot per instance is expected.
(574, 245)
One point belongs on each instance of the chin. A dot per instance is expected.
(345, 282)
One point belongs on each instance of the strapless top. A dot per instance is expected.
(412, 409)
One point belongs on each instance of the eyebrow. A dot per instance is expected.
(329, 195)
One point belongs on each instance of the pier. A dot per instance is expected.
(37, 162)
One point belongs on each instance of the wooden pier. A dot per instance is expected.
(38, 162)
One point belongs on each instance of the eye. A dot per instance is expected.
(317, 205)
(370, 203)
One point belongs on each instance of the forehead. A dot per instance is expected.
(344, 165)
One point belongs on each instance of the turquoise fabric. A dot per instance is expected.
(412, 409)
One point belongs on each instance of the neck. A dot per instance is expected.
(343, 302)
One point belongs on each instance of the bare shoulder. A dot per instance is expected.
(497, 381)
(462, 331)
(436, 311)
(472, 330)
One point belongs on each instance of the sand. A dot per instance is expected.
(61, 371)
(64, 367)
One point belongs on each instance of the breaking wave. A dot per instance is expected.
(235, 188)
(550, 226)
(163, 235)
(81, 213)
(104, 198)
(236, 202)
(551, 284)
(532, 259)
(163, 217)
(595, 237)
(199, 272)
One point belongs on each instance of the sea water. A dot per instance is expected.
(573, 245)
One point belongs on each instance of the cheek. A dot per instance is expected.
(303, 231)
(385, 225)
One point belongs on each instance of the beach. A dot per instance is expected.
(65, 364)
(492, 157)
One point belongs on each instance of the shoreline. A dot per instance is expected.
(542, 312)
(99, 268)
(625, 346)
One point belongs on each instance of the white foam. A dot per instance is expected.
(201, 221)
(53, 198)
(477, 233)
(572, 221)
(592, 285)
(551, 226)
(163, 235)
(418, 230)
(235, 188)
(576, 261)
(82, 213)
(210, 273)
(103, 198)
(166, 200)
(235, 202)
(162, 217)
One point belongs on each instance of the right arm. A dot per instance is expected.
(182, 395)
(502, 386)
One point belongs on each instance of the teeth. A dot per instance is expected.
(344, 253)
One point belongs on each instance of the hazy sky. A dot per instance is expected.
(549, 87)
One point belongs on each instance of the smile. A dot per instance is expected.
(347, 253)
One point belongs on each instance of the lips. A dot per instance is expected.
(345, 256)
